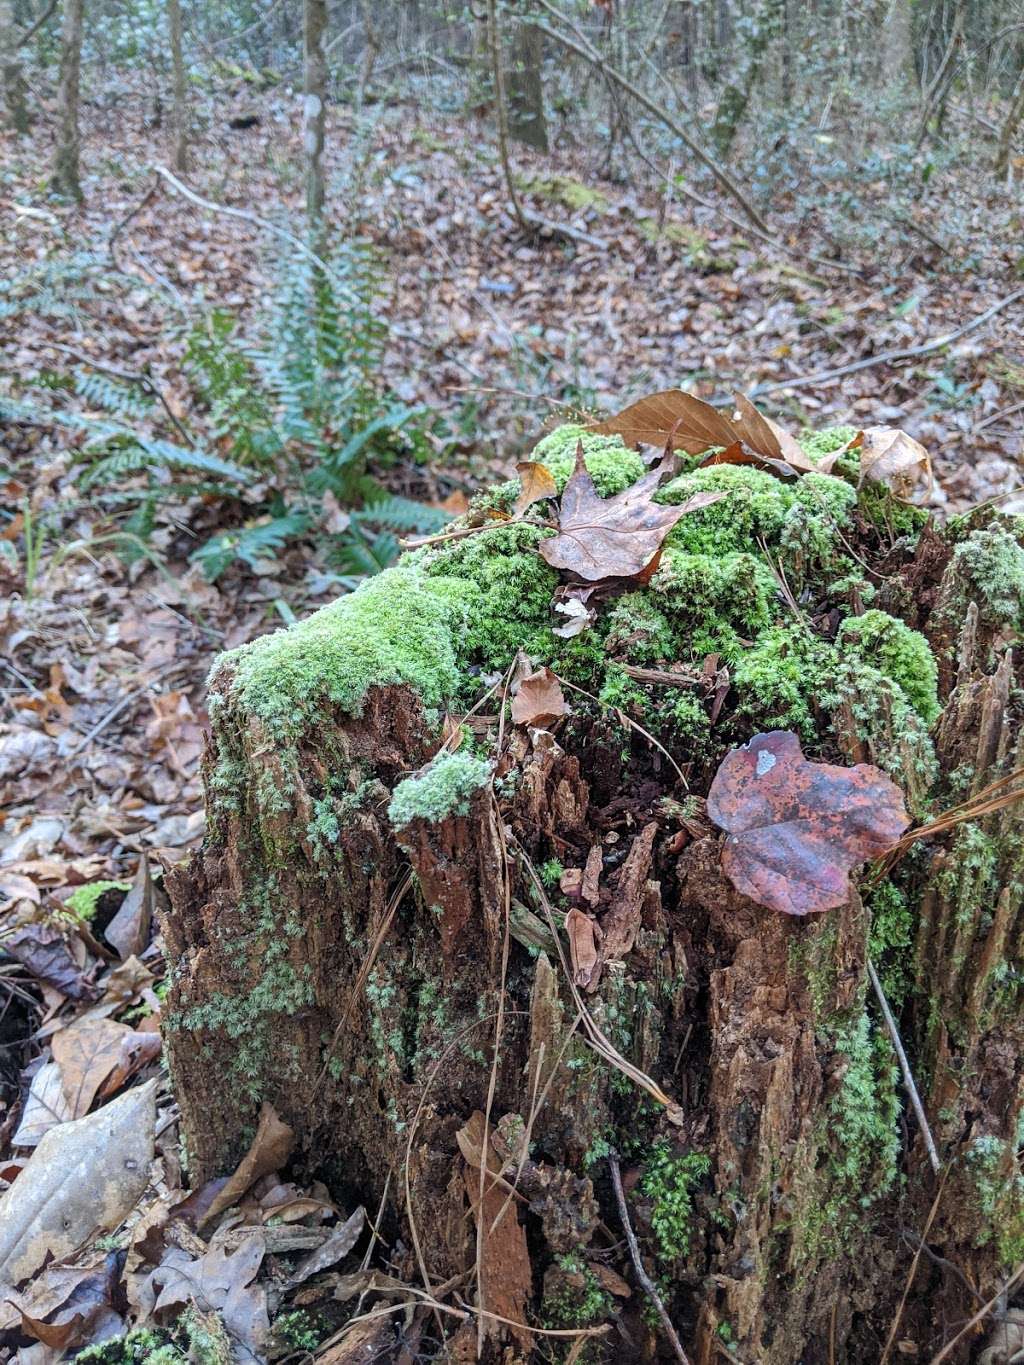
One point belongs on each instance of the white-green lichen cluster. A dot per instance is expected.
(444, 787)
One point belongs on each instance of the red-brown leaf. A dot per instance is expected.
(613, 537)
(796, 828)
(539, 700)
(671, 416)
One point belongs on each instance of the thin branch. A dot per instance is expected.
(582, 48)
(822, 377)
(130, 377)
(913, 1269)
(30, 33)
(908, 1075)
(980, 1315)
(638, 1265)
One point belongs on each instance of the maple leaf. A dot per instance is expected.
(616, 537)
(797, 828)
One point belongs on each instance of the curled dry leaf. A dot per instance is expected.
(615, 537)
(671, 416)
(584, 936)
(539, 700)
(268, 1151)
(536, 482)
(84, 1175)
(888, 455)
(797, 828)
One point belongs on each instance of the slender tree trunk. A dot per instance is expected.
(180, 119)
(526, 121)
(735, 98)
(11, 71)
(501, 107)
(898, 44)
(371, 50)
(314, 91)
(65, 169)
(1010, 125)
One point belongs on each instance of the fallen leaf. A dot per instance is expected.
(129, 930)
(85, 1175)
(42, 951)
(269, 1150)
(615, 537)
(767, 439)
(797, 828)
(539, 700)
(671, 416)
(338, 1243)
(580, 618)
(536, 483)
(45, 1107)
(87, 1052)
(891, 457)
(220, 1281)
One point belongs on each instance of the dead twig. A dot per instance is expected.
(138, 377)
(634, 1252)
(908, 1075)
(822, 377)
(913, 1269)
(980, 1315)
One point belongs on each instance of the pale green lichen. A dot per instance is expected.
(991, 565)
(993, 1167)
(445, 787)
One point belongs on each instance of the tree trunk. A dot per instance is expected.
(313, 113)
(526, 121)
(15, 89)
(898, 46)
(1010, 125)
(375, 955)
(734, 99)
(180, 87)
(65, 170)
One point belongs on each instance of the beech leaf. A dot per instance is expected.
(539, 700)
(536, 482)
(614, 537)
(888, 455)
(671, 416)
(797, 828)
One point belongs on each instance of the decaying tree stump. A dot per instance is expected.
(348, 937)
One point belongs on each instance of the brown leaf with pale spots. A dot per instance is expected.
(539, 700)
(615, 537)
(536, 482)
(796, 828)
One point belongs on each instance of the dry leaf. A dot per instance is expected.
(536, 483)
(129, 930)
(671, 416)
(616, 537)
(269, 1150)
(337, 1244)
(539, 700)
(797, 828)
(584, 935)
(87, 1052)
(85, 1175)
(888, 455)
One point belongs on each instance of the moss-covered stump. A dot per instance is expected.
(367, 904)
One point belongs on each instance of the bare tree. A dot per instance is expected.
(1010, 125)
(65, 168)
(180, 114)
(314, 91)
(501, 108)
(10, 67)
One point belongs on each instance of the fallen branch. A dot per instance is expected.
(634, 1251)
(582, 48)
(822, 377)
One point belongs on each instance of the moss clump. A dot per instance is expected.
(891, 936)
(395, 628)
(610, 463)
(573, 1296)
(817, 444)
(798, 522)
(993, 1168)
(991, 565)
(202, 1336)
(716, 603)
(563, 189)
(668, 1181)
(901, 654)
(445, 787)
(782, 678)
(84, 899)
(864, 1112)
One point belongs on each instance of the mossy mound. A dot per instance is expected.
(751, 578)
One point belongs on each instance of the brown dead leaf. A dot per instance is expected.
(797, 828)
(335, 1247)
(539, 700)
(269, 1150)
(671, 416)
(536, 482)
(42, 951)
(615, 537)
(889, 456)
(87, 1052)
(129, 930)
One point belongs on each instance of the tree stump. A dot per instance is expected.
(373, 937)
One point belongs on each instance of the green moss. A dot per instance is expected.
(574, 1298)
(780, 680)
(610, 463)
(399, 627)
(715, 603)
(993, 1168)
(991, 563)
(84, 899)
(890, 939)
(817, 444)
(563, 189)
(864, 1112)
(301, 1329)
(443, 788)
(901, 654)
(668, 1181)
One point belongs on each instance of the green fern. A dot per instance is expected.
(250, 544)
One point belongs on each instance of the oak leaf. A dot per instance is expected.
(797, 828)
(617, 537)
(536, 482)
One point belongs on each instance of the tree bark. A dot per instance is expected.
(313, 114)
(735, 98)
(526, 120)
(180, 113)
(66, 179)
(1011, 123)
(15, 89)
(352, 973)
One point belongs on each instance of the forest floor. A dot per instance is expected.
(102, 663)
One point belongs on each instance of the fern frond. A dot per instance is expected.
(250, 543)
(403, 515)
